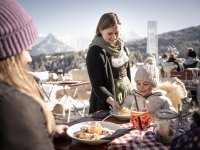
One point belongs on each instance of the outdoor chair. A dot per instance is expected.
(75, 98)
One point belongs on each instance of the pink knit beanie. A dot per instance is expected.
(17, 30)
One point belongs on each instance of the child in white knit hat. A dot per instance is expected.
(146, 95)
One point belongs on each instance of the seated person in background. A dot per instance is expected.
(192, 61)
(147, 79)
(162, 62)
(175, 61)
(190, 140)
(167, 67)
(163, 59)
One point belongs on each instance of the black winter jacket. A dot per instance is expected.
(101, 76)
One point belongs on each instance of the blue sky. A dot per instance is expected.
(79, 18)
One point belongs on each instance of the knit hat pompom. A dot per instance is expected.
(17, 30)
(148, 72)
(151, 60)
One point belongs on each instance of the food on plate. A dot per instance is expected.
(95, 128)
(124, 112)
(93, 131)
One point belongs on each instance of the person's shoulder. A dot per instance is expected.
(15, 102)
(158, 92)
(8, 93)
(133, 94)
(160, 95)
(126, 49)
(14, 97)
(96, 49)
(164, 98)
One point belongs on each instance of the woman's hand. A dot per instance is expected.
(60, 130)
(113, 103)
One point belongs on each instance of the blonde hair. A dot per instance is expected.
(106, 21)
(14, 72)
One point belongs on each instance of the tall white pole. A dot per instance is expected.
(152, 39)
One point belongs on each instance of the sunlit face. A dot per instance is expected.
(144, 88)
(111, 34)
(26, 56)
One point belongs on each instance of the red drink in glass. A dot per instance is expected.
(140, 120)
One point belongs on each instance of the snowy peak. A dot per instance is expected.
(50, 45)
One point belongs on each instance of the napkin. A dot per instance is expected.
(118, 133)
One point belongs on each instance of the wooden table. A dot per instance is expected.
(69, 144)
(149, 141)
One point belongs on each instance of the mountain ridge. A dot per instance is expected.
(50, 45)
(182, 39)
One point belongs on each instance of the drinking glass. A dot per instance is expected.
(140, 118)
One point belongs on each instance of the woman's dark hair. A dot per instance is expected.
(106, 21)
(171, 58)
(192, 54)
(164, 56)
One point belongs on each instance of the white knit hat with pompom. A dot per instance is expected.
(148, 72)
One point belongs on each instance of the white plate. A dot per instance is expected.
(76, 127)
(166, 114)
(114, 113)
(63, 82)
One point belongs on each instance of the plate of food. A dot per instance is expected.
(124, 113)
(92, 132)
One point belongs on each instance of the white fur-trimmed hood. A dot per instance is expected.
(175, 91)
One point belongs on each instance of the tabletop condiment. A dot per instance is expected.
(164, 132)
(51, 78)
(60, 75)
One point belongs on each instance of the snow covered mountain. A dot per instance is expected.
(131, 36)
(50, 45)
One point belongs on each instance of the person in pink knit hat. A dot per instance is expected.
(25, 121)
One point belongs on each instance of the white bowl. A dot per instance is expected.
(76, 127)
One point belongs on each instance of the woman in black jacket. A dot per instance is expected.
(108, 65)
(25, 121)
